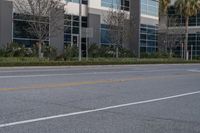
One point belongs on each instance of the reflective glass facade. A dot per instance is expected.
(118, 4)
(194, 38)
(105, 39)
(193, 21)
(22, 35)
(149, 7)
(77, 1)
(71, 29)
(148, 32)
(148, 38)
(21, 30)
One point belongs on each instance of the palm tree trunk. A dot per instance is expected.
(186, 38)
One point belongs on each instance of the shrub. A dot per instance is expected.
(2, 52)
(94, 51)
(19, 50)
(16, 50)
(70, 52)
(154, 55)
(49, 52)
(124, 53)
(107, 51)
(197, 57)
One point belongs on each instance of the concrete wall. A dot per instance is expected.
(73, 8)
(149, 20)
(57, 31)
(94, 23)
(94, 4)
(6, 9)
(134, 44)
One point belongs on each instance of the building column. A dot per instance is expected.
(94, 22)
(6, 13)
(135, 15)
(56, 30)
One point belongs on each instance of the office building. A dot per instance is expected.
(143, 31)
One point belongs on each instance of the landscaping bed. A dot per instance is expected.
(9, 62)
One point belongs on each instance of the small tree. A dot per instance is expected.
(42, 17)
(118, 27)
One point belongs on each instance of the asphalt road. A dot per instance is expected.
(100, 99)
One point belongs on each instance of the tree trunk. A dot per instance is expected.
(186, 37)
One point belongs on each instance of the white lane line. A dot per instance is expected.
(88, 73)
(96, 110)
(194, 70)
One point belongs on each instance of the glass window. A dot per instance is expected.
(105, 38)
(149, 7)
(148, 38)
(118, 4)
(77, 1)
(72, 27)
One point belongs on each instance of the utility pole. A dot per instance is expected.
(80, 30)
(182, 51)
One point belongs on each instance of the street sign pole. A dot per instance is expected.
(80, 30)
(191, 52)
(87, 43)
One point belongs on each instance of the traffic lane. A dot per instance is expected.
(174, 115)
(182, 109)
(70, 70)
(18, 105)
(73, 81)
(13, 81)
(93, 67)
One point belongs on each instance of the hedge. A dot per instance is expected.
(95, 62)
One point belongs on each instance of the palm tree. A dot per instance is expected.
(187, 8)
(164, 4)
(163, 21)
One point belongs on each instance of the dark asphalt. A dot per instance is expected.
(39, 92)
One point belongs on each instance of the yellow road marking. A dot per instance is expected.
(73, 84)
(8, 89)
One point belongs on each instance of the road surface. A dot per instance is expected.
(100, 99)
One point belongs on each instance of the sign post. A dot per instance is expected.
(80, 25)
